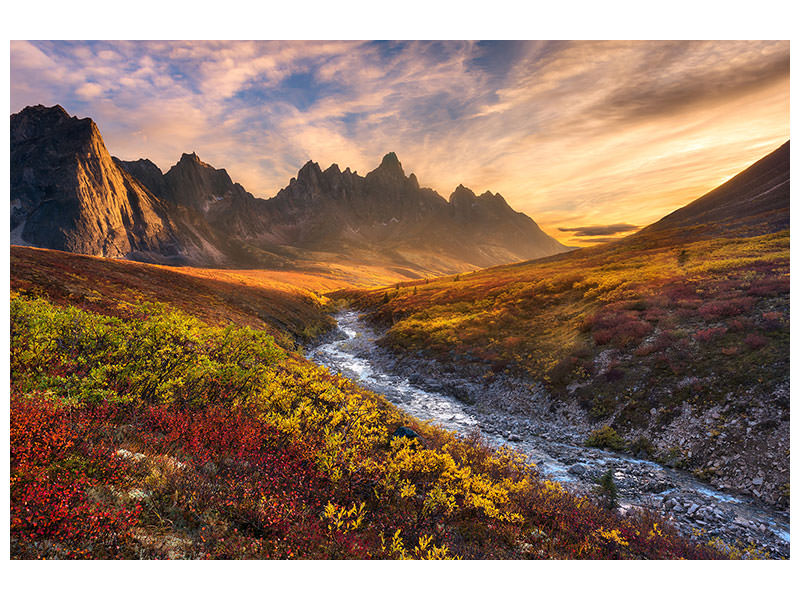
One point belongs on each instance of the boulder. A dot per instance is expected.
(577, 469)
(405, 432)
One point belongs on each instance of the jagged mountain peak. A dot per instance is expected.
(464, 198)
(190, 165)
(193, 159)
(141, 162)
(37, 121)
(67, 192)
(147, 172)
(41, 110)
(461, 193)
(309, 173)
(494, 200)
(390, 161)
(390, 169)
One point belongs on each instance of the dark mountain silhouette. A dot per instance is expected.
(69, 194)
(389, 210)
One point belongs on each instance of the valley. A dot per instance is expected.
(180, 349)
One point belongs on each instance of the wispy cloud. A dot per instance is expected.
(569, 132)
(577, 241)
(595, 230)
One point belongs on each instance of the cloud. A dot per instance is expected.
(89, 90)
(593, 230)
(569, 132)
(597, 240)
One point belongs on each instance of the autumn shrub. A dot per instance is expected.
(769, 286)
(160, 356)
(605, 437)
(709, 334)
(721, 309)
(772, 320)
(120, 448)
(739, 324)
(621, 328)
(755, 341)
(563, 370)
(57, 464)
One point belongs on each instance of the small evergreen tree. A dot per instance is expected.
(607, 490)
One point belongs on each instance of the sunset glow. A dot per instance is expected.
(591, 139)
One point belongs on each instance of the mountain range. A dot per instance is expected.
(68, 193)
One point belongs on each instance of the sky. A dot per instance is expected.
(591, 139)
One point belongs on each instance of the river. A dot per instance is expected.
(691, 504)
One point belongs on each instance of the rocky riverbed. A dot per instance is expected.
(522, 416)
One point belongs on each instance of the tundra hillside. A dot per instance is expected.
(178, 422)
(672, 343)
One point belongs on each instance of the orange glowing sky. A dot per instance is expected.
(592, 137)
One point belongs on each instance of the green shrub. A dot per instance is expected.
(160, 356)
(642, 444)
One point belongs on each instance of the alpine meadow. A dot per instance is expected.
(339, 346)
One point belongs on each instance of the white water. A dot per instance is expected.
(352, 355)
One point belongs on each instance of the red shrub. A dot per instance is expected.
(707, 335)
(680, 292)
(623, 328)
(772, 320)
(603, 336)
(771, 286)
(57, 456)
(755, 341)
(739, 324)
(66, 476)
(718, 309)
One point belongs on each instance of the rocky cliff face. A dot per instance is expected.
(69, 194)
